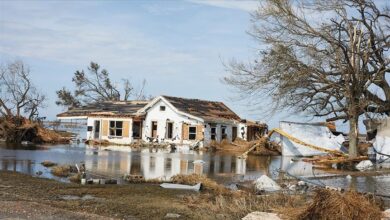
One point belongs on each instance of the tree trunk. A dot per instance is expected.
(353, 135)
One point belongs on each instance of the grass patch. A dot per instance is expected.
(75, 178)
(62, 170)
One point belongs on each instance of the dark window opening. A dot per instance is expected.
(223, 132)
(191, 133)
(213, 133)
(234, 133)
(169, 130)
(154, 129)
(116, 128)
(162, 108)
(89, 128)
(137, 129)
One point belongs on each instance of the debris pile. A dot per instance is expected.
(265, 147)
(265, 184)
(328, 204)
(17, 130)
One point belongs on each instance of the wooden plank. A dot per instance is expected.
(125, 129)
(184, 131)
(199, 132)
(105, 128)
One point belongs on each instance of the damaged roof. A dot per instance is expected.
(106, 108)
(208, 110)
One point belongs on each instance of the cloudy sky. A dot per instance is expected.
(177, 46)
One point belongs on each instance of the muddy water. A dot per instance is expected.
(159, 163)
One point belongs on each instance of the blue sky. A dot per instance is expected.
(177, 46)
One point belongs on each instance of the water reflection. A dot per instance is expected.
(163, 164)
(160, 163)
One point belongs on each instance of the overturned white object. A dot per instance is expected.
(364, 165)
(261, 216)
(181, 186)
(317, 134)
(264, 183)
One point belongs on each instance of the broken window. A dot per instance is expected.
(116, 128)
(192, 133)
(213, 133)
(162, 108)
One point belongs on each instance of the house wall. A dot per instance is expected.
(229, 132)
(104, 130)
(162, 117)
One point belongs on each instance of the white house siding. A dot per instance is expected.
(229, 132)
(162, 117)
(117, 140)
(242, 131)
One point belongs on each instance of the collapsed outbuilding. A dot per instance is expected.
(307, 139)
(378, 132)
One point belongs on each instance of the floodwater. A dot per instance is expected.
(225, 168)
(150, 162)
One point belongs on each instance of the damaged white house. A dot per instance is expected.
(164, 119)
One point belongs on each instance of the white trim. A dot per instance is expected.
(155, 100)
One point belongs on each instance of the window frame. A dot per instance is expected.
(192, 133)
(115, 128)
(223, 132)
(213, 135)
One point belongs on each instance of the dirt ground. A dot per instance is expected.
(26, 197)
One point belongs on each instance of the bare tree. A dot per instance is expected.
(327, 58)
(18, 96)
(95, 86)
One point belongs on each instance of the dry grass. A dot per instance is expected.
(62, 170)
(237, 206)
(48, 163)
(334, 205)
(75, 178)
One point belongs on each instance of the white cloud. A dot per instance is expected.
(245, 5)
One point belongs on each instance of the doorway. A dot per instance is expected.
(154, 129)
(234, 133)
(96, 126)
(169, 130)
(137, 129)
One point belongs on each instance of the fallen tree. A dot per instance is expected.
(17, 130)
(20, 102)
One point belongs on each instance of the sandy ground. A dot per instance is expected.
(26, 197)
